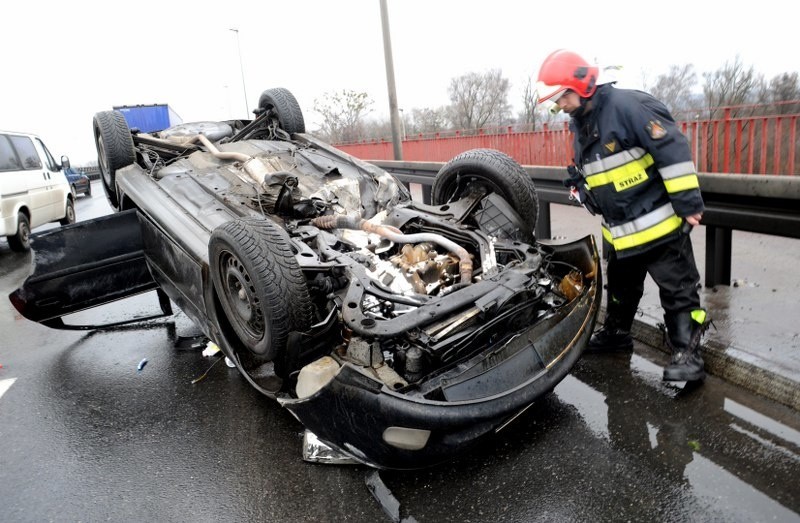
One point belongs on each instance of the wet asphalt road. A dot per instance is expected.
(84, 436)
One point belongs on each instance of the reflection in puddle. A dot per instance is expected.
(740, 464)
(761, 421)
(590, 403)
(751, 505)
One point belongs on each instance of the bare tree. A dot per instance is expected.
(528, 113)
(675, 87)
(428, 120)
(377, 129)
(479, 99)
(733, 84)
(785, 88)
(342, 114)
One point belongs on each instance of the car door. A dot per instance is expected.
(57, 186)
(86, 265)
(33, 179)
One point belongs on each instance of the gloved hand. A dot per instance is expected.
(575, 184)
(575, 178)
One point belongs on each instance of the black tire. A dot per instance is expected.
(260, 287)
(21, 241)
(283, 102)
(69, 215)
(488, 170)
(114, 143)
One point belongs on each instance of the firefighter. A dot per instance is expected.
(634, 167)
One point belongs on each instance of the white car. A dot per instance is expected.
(33, 188)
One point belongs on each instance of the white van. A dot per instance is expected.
(33, 188)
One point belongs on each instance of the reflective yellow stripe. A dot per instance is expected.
(682, 183)
(643, 237)
(623, 175)
(699, 315)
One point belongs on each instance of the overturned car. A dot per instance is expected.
(396, 332)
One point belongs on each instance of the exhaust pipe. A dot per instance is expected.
(394, 234)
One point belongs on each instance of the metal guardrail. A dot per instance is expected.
(753, 203)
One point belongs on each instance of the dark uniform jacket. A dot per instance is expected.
(635, 169)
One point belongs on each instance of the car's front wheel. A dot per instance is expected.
(260, 287)
(114, 144)
(21, 241)
(485, 171)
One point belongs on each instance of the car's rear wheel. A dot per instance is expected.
(485, 171)
(260, 287)
(286, 109)
(69, 214)
(21, 241)
(114, 143)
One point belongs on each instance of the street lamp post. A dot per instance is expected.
(394, 117)
(241, 68)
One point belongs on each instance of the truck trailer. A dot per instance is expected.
(149, 118)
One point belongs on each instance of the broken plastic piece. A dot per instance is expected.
(316, 451)
(141, 365)
(211, 349)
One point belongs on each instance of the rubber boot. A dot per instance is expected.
(615, 334)
(683, 337)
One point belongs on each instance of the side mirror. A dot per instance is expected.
(64, 162)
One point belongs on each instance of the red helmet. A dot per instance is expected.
(564, 70)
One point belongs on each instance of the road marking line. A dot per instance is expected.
(5, 385)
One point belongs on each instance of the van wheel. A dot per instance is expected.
(21, 241)
(69, 216)
(485, 171)
(114, 143)
(285, 107)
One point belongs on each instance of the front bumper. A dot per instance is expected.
(360, 416)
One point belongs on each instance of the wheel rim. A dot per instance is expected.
(24, 233)
(70, 213)
(240, 295)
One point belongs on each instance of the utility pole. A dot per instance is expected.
(241, 68)
(393, 112)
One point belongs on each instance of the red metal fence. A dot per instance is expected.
(728, 144)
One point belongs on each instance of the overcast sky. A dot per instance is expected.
(64, 61)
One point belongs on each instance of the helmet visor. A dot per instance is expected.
(546, 92)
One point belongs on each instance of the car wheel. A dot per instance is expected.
(488, 171)
(69, 215)
(21, 241)
(260, 287)
(114, 143)
(73, 190)
(88, 189)
(283, 102)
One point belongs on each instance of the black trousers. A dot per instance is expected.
(672, 267)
